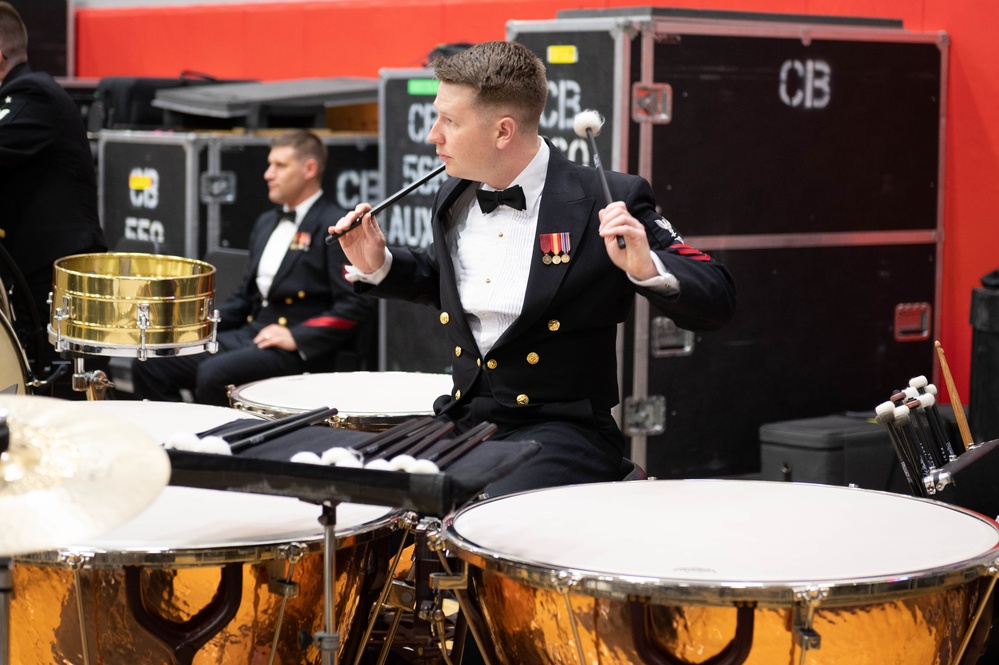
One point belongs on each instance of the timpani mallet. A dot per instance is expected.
(955, 397)
(330, 239)
(587, 125)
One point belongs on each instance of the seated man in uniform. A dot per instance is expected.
(532, 282)
(293, 312)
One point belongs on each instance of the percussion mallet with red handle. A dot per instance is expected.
(587, 125)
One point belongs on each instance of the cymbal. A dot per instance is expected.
(70, 473)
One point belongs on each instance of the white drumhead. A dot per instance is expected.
(185, 519)
(351, 393)
(725, 531)
(163, 419)
(191, 519)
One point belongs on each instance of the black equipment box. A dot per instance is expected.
(197, 192)
(984, 396)
(805, 153)
(836, 449)
(411, 338)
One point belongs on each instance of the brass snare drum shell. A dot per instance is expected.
(96, 301)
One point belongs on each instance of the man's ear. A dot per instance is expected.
(506, 130)
(311, 168)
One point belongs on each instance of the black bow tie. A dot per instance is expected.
(489, 199)
(286, 216)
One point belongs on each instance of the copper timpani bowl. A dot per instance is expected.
(132, 305)
(683, 571)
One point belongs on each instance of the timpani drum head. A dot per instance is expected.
(163, 419)
(681, 564)
(369, 401)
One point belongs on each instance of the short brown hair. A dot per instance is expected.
(503, 74)
(13, 34)
(306, 145)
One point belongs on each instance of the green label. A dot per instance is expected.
(422, 86)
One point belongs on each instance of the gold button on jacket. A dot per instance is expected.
(533, 358)
(445, 318)
(522, 399)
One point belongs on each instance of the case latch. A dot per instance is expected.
(652, 103)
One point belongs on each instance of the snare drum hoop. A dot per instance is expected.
(721, 593)
(64, 342)
(128, 350)
(344, 419)
(189, 557)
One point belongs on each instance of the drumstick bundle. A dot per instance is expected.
(918, 433)
(404, 448)
(226, 439)
(400, 448)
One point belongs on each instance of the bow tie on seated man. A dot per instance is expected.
(490, 199)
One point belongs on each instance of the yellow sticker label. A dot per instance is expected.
(139, 182)
(563, 54)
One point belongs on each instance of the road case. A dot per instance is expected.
(411, 338)
(803, 152)
(196, 192)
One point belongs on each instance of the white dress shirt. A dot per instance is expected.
(277, 244)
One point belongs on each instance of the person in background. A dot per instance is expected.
(527, 271)
(48, 187)
(294, 311)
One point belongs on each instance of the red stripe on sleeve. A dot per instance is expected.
(330, 322)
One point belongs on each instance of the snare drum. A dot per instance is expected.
(367, 401)
(199, 563)
(671, 571)
(132, 305)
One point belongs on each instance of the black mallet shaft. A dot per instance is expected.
(332, 238)
(587, 125)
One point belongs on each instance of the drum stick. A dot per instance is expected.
(462, 444)
(930, 394)
(390, 436)
(283, 426)
(428, 439)
(955, 397)
(427, 434)
(885, 413)
(253, 426)
(587, 125)
(926, 452)
(935, 451)
(330, 239)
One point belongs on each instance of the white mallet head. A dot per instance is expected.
(588, 119)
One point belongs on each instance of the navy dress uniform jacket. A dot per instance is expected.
(561, 350)
(309, 293)
(48, 183)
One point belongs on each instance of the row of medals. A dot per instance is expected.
(548, 259)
